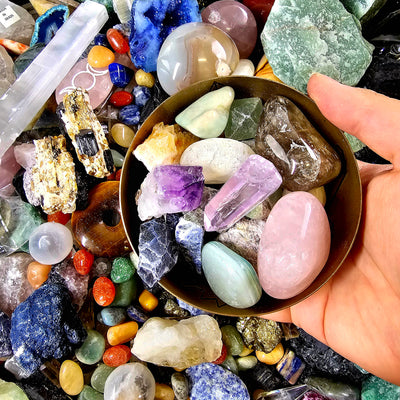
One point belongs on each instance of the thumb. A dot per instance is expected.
(371, 117)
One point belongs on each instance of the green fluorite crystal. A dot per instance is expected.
(10, 391)
(302, 37)
(244, 117)
(99, 377)
(92, 348)
(363, 9)
(89, 393)
(376, 388)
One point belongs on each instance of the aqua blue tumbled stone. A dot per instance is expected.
(120, 75)
(112, 316)
(130, 115)
(231, 277)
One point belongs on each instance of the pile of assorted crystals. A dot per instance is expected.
(82, 315)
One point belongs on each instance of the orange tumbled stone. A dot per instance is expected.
(122, 333)
(37, 273)
(100, 57)
(117, 355)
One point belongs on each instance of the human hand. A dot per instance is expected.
(357, 312)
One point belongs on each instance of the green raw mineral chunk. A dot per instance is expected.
(244, 117)
(232, 339)
(302, 37)
(259, 333)
(122, 270)
(10, 391)
(92, 349)
(89, 393)
(363, 9)
(99, 377)
(376, 388)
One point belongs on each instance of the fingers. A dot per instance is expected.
(370, 171)
(279, 316)
(372, 117)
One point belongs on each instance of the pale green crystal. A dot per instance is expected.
(99, 377)
(89, 393)
(363, 9)
(302, 37)
(92, 348)
(10, 391)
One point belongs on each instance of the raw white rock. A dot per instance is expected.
(219, 157)
(7, 76)
(245, 67)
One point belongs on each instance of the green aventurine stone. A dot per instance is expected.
(99, 377)
(302, 37)
(92, 349)
(89, 393)
(244, 117)
(363, 9)
(122, 270)
(230, 364)
(376, 388)
(232, 339)
(10, 391)
(245, 363)
(124, 293)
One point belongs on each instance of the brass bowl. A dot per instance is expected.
(343, 195)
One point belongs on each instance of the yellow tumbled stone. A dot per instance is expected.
(71, 378)
(273, 357)
(245, 352)
(164, 392)
(165, 145)
(122, 134)
(319, 193)
(264, 70)
(144, 78)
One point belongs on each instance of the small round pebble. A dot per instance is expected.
(144, 78)
(92, 348)
(118, 158)
(164, 392)
(180, 386)
(83, 261)
(103, 291)
(112, 316)
(101, 267)
(37, 273)
(71, 377)
(117, 355)
(100, 57)
(130, 115)
(122, 270)
(121, 98)
(89, 393)
(99, 377)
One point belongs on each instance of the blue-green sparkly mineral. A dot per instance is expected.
(376, 388)
(363, 9)
(302, 37)
(122, 270)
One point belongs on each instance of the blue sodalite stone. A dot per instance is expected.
(130, 115)
(112, 316)
(48, 24)
(137, 314)
(211, 382)
(152, 21)
(193, 310)
(142, 95)
(45, 326)
(158, 251)
(101, 40)
(120, 75)
(189, 237)
(5, 328)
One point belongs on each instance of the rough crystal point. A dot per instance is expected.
(294, 245)
(302, 156)
(302, 37)
(170, 189)
(253, 182)
(178, 344)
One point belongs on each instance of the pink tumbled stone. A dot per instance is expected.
(294, 245)
(8, 168)
(25, 154)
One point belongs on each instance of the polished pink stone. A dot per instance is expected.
(294, 245)
(8, 168)
(25, 154)
(96, 81)
(236, 20)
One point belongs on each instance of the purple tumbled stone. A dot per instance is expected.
(170, 189)
(255, 180)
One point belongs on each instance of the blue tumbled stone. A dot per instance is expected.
(158, 251)
(120, 75)
(142, 95)
(211, 382)
(193, 310)
(152, 21)
(5, 328)
(112, 316)
(130, 115)
(189, 237)
(101, 40)
(137, 314)
(45, 326)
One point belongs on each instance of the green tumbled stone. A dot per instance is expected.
(10, 391)
(230, 364)
(375, 388)
(92, 349)
(332, 388)
(232, 339)
(118, 158)
(245, 363)
(122, 270)
(302, 37)
(99, 377)
(363, 9)
(244, 117)
(88, 393)
(125, 293)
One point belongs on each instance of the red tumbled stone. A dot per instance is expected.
(117, 41)
(121, 98)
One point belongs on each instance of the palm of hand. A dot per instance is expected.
(357, 313)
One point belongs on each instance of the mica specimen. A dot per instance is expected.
(255, 180)
(259, 333)
(158, 252)
(300, 38)
(219, 157)
(170, 189)
(164, 145)
(178, 344)
(44, 326)
(207, 116)
(211, 382)
(87, 135)
(287, 138)
(52, 183)
(151, 23)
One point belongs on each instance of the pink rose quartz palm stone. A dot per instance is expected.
(294, 245)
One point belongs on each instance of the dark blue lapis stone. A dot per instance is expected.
(101, 40)
(5, 342)
(137, 314)
(142, 95)
(152, 21)
(45, 326)
(120, 75)
(193, 310)
(130, 115)
(211, 382)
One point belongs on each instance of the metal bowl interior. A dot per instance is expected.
(343, 205)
